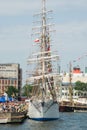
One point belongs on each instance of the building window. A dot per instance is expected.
(12, 82)
(8, 82)
(2, 88)
(15, 82)
(2, 81)
(5, 81)
(75, 94)
(84, 94)
(65, 94)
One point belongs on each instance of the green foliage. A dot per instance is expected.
(11, 91)
(80, 86)
(27, 90)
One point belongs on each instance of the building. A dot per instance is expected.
(10, 75)
(76, 75)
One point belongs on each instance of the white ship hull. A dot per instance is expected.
(43, 112)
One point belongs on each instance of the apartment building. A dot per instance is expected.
(10, 75)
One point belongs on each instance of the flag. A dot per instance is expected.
(36, 40)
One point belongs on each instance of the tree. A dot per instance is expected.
(80, 86)
(12, 91)
(27, 90)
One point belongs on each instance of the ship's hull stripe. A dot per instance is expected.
(44, 119)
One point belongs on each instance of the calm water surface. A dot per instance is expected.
(67, 121)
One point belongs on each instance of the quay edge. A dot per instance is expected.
(12, 117)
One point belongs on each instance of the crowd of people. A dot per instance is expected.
(14, 106)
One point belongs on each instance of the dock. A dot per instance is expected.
(70, 108)
(13, 112)
(12, 117)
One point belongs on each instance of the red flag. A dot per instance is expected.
(37, 40)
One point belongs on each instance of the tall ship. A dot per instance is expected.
(43, 75)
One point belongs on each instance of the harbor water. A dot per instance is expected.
(67, 121)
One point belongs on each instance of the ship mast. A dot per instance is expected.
(45, 41)
(70, 86)
(44, 76)
(43, 25)
(43, 36)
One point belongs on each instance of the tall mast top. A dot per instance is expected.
(43, 23)
(43, 5)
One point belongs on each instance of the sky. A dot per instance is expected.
(70, 18)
